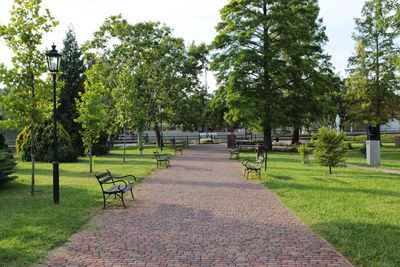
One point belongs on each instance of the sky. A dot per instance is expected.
(192, 20)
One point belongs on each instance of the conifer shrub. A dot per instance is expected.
(7, 163)
(330, 148)
(44, 144)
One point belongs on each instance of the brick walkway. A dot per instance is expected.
(199, 212)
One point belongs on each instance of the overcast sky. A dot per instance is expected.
(190, 19)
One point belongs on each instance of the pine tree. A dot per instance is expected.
(374, 81)
(72, 69)
(329, 148)
(263, 51)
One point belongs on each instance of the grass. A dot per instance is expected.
(390, 156)
(30, 226)
(357, 211)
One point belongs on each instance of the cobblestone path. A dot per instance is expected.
(199, 212)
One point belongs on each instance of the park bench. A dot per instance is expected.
(162, 159)
(253, 166)
(177, 148)
(118, 187)
(234, 152)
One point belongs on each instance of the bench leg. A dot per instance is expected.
(104, 201)
(132, 194)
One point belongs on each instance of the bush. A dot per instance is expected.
(7, 167)
(206, 141)
(102, 147)
(304, 152)
(289, 148)
(7, 162)
(3, 143)
(44, 144)
(363, 150)
(330, 148)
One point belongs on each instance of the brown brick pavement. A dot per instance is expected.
(199, 212)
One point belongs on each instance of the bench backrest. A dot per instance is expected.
(156, 154)
(104, 178)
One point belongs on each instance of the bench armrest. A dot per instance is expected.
(125, 176)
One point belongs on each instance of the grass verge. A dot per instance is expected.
(32, 225)
(357, 211)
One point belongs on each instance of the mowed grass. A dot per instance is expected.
(32, 225)
(390, 157)
(357, 211)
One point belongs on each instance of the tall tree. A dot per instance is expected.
(149, 69)
(373, 78)
(309, 72)
(263, 48)
(72, 74)
(27, 101)
(93, 108)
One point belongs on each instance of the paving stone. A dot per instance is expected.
(199, 212)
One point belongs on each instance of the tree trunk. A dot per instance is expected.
(91, 159)
(124, 146)
(33, 161)
(158, 135)
(267, 136)
(295, 135)
(330, 169)
(140, 141)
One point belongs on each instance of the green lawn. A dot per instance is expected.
(357, 211)
(390, 157)
(30, 226)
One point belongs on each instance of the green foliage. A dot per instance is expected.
(72, 75)
(3, 142)
(94, 110)
(7, 167)
(102, 146)
(304, 151)
(146, 68)
(374, 82)
(329, 148)
(44, 144)
(27, 100)
(270, 63)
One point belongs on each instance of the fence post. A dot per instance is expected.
(199, 139)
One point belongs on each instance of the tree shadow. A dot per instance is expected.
(333, 189)
(366, 244)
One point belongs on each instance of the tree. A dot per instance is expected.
(148, 69)
(72, 74)
(264, 51)
(93, 109)
(330, 148)
(28, 100)
(306, 98)
(373, 76)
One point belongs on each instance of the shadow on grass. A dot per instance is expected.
(31, 225)
(281, 177)
(330, 180)
(363, 243)
(378, 192)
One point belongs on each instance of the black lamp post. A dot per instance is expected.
(53, 62)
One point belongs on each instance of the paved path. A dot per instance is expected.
(199, 212)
